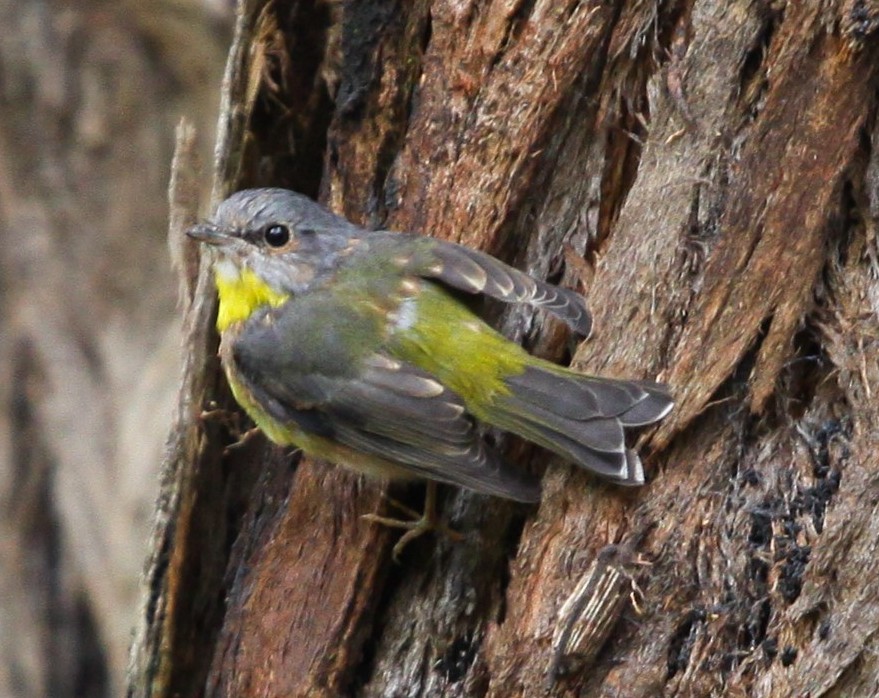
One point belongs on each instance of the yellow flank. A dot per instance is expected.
(242, 293)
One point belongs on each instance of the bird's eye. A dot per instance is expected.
(277, 235)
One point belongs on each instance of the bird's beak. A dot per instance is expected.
(210, 234)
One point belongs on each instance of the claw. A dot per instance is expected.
(230, 420)
(243, 440)
(417, 525)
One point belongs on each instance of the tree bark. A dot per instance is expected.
(707, 174)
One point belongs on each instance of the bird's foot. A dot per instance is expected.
(417, 525)
(231, 421)
(243, 439)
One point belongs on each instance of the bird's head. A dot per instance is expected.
(281, 238)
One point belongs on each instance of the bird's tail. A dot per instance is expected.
(582, 417)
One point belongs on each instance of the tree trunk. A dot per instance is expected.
(706, 174)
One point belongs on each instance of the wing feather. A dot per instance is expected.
(475, 272)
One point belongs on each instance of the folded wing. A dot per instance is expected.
(374, 404)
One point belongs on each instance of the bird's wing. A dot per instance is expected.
(317, 374)
(476, 272)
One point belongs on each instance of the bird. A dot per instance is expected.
(362, 347)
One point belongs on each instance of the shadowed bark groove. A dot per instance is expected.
(714, 165)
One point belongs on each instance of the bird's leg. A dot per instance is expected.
(231, 421)
(244, 438)
(418, 525)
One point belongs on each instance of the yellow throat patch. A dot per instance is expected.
(241, 292)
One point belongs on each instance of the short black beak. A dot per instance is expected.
(209, 233)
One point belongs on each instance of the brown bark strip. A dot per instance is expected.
(446, 624)
(299, 613)
(641, 260)
(281, 635)
(493, 81)
(834, 621)
(372, 116)
(180, 617)
(183, 195)
(658, 239)
(765, 266)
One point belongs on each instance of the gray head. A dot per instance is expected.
(285, 237)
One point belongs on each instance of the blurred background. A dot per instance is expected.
(90, 94)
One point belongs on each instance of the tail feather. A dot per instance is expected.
(560, 437)
(574, 395)
(602, 435)
(582, 417)
(656, 405)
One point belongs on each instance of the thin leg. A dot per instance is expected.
(231, 420)
(417, 526)
(243, 440)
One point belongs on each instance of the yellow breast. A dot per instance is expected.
(241, 292)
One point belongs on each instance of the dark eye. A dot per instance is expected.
(277, 235)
